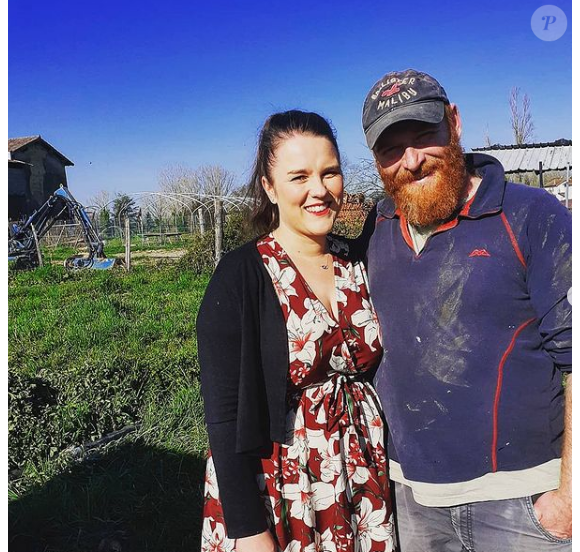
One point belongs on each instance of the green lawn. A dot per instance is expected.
(89, 353)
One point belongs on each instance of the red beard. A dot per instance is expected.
(435, 202)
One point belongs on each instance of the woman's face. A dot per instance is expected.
(306, 184)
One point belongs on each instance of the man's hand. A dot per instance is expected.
(554, 512)
(257, 543)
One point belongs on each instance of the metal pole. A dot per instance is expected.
(202, 220)
(219, 229)
(541, 176)
(37, 245)
(127, 243)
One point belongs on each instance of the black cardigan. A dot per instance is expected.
(243, 354)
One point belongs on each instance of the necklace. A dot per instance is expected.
(323, 266)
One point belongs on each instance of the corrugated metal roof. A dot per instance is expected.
(554, 156)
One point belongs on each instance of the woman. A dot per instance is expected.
(287, 337)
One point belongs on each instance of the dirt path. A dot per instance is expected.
(173, 254)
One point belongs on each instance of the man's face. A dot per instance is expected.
(423, 169)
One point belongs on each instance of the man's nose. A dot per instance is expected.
(413, 159)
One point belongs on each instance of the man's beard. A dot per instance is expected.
(435, 202)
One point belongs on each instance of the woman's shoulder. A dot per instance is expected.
(242, 254)
(239, 265)
(234, 278)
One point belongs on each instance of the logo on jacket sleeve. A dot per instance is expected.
(479, 253)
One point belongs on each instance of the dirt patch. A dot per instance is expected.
(159, 254)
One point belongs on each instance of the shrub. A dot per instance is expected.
(200, 256)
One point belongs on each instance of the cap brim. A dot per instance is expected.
(428, 112)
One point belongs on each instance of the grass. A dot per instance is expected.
(92, 352)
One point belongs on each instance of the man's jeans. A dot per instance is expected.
(494, 526)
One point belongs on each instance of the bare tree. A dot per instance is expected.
(179, 179)
(99, 206)
(521, 117)
(486, 139)
(101, 200)
(363, 178)
(157, 211)
(195, 190)
(182, 183)
(216, 181)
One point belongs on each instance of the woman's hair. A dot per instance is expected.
(279, 127)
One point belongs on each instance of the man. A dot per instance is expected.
(469, 276)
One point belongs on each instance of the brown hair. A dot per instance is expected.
(278, 127)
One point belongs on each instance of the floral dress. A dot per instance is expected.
(326, 488)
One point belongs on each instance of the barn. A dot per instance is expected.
(35, 170)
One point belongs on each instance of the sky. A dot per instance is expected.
(128, 89)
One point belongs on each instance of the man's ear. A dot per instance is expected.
(456, 119)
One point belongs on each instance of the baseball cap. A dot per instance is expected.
(401, 96)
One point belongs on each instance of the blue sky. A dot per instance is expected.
(125, 89)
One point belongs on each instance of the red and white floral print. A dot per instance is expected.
(214, 537)
(326, 487)
(370, 527)
(366, 318)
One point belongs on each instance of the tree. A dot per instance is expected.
(363, 178)
(197, 188)
(215, 180)
(101, 200)
(486, 138)
(521, 117)
(100, 204)
(149, 221)
(124, 206)
(179, 179)
(182, 188)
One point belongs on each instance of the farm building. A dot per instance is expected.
(547, 165)
(35, 170)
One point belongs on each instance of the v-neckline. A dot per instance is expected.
(309, 289)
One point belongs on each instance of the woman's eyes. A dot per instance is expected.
(304, 177)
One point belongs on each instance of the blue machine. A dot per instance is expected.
(23, 241)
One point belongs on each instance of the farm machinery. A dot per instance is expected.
(23, 240)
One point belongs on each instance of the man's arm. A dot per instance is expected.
(554, 509)
(566, 473)
(549, 276)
